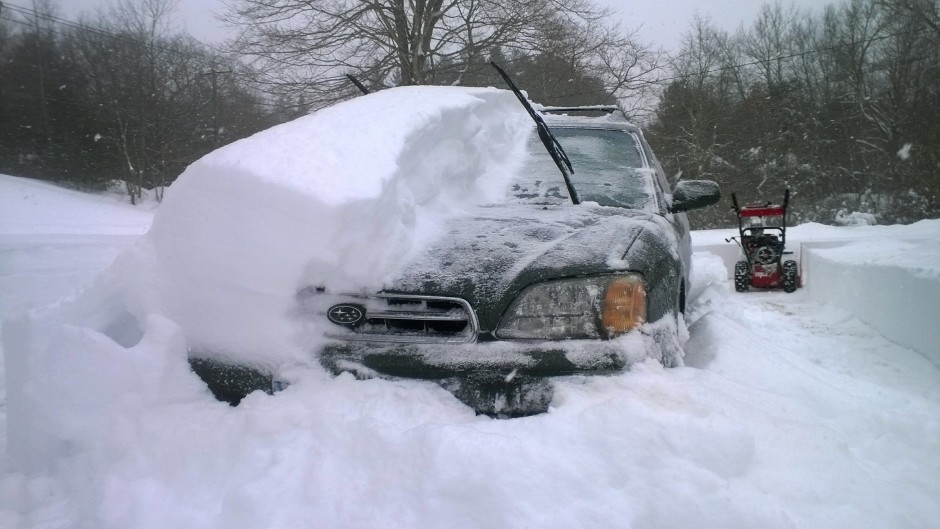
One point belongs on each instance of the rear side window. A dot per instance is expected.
(609, 168)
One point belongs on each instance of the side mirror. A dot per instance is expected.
(694, 194)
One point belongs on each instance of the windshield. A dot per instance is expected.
(608, 169)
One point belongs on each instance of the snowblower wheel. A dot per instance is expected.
(742, 276)
(789, 276)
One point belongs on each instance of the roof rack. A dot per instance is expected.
(608, 109)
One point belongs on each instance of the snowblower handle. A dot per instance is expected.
(734, 200)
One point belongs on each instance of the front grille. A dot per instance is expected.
(414, 319)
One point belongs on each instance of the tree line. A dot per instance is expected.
(842, 106)
(118, 98)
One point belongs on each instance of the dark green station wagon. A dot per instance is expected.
(582, 272)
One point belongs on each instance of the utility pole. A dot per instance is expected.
(213, 79)
(41, 69)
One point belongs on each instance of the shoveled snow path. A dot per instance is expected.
(846, 424)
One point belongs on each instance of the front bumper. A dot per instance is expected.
(498, 378)
(503, 379)
(501, 359)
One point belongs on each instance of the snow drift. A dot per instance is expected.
(91, 214)
(339, 198)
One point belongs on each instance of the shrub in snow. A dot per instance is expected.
(844, 218)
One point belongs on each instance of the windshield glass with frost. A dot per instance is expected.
(608, 169)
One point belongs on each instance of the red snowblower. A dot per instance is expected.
(763, 236)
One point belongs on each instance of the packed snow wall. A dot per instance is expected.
(876, 284)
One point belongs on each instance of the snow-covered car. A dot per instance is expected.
(420, 232)
(533, 286)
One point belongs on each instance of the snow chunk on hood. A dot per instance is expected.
(342, 196)
(354, 150)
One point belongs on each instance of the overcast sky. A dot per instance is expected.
(660, 22)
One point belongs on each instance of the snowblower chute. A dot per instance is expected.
(762, 238)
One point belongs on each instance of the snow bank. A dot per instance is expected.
(888, 276)
(337, 199)
(54, 240)
(892, 285)
(25, 205)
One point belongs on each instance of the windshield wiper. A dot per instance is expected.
(545, 134)
(360, 86)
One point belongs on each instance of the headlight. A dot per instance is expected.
(592, 307)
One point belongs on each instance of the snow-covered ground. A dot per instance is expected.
(790, 412)
(818, 408)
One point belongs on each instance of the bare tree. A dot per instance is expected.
(160, 98)
(926, 11)
(768, 41)
(307, 46)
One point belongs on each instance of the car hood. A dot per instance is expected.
(488, 257)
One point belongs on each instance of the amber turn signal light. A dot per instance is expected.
(624, 305)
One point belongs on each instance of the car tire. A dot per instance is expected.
(789, 276)
(231, 382)
(742, 276)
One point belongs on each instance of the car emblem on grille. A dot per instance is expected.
(346, 314)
